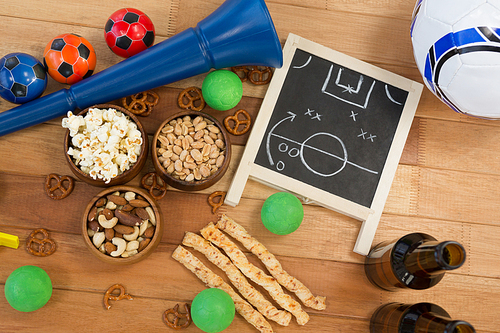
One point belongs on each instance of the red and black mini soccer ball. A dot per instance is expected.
(129, 31)
(69, 58)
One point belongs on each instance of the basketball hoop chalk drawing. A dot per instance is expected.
(331, 130)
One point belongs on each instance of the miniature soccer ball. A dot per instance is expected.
(22, 78)
(222, 89)
(456, 44)
(129, 31)
(212, 310)
(69, 58)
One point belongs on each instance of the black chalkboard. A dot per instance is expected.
(332, 128)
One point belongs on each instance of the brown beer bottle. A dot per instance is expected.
(416, 318)
(416, 261)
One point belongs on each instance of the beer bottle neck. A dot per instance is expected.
(432, 257)
(432, 323)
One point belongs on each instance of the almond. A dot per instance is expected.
(123, 229)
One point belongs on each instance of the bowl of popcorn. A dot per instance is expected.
(192, 150)
(122, 225)
(105, 145)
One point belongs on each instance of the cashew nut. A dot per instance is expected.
(133, 245)
(111, 205)
(143, 227)
(90, 232)
(107, 224)
(132, 236)
(127, 254)
(129, 196)
(103, 248)
(98, 239)
(152, 216)
(121, 245)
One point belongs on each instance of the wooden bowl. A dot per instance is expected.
(125, 176)
(155, 240)
(194, 185)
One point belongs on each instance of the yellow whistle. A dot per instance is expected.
(9, 240)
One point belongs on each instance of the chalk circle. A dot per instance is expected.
(283, 147)
(280, 166)
(343, 158)
(294, 152)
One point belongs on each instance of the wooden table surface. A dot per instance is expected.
(446, 185)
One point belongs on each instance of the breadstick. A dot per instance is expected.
(273, 265)
(254, 273)
(212, 280)
(237, 279)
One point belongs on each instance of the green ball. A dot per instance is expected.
(212, 310)
(28, 288)
(282, 213)
(222, 90)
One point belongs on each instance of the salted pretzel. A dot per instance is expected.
(45, 246)
(141, 104)
(59, 190)
(108, 296)
(237, 122)
(192, 95)
(173, 317)
(260, 75)
(155, 185)
(216, 205)
(242, 72)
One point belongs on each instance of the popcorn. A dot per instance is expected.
(106, 143)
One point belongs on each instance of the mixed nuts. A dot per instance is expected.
(121, 224)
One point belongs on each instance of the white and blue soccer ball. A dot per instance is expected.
(456, 44)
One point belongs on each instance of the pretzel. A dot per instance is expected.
(213, 280)
(272, 264)
(254, 273)
(141, 104)
(58, 191)
(109, 296)
(246, 122)
(216, 205)
(46, 246)
(241, 69)
(237, 278)
(191, 99)
(177, 316)
(260, 75)
(155, 185)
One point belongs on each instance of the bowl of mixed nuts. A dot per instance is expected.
(191, 150)
(105, 145)
(122, 225)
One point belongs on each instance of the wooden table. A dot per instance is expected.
(446, 185)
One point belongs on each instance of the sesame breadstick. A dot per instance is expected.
(212, 280)
(254, 273)
(273, 265)
(237, 279)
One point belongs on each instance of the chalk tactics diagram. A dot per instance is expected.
(294, 148)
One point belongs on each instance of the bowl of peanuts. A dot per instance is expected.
(191, 150)
(105, 145)
(122, 225)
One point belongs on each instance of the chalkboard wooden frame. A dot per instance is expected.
(310, 194)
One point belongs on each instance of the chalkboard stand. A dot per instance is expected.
(249, 169)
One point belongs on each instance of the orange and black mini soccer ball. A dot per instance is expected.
(69, 58)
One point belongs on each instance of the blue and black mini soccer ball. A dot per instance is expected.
(22, 78)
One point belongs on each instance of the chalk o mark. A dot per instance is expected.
(280, 166)
(294, 152)
(283, 147)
